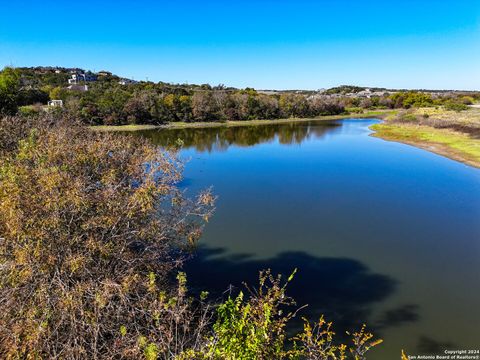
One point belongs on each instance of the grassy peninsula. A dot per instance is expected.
(451, 133)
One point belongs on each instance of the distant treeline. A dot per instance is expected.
(110, 101)
(154, 104)
(413, 99)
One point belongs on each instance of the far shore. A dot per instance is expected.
(379, 114)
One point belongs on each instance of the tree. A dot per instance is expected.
(366, 103)
(294, 105)
(321, 106)
(32, 96)
(58, 92)
(204, 107)
(185, 107)
(142, 107)
(9, 90)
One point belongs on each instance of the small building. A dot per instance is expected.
(55, 103)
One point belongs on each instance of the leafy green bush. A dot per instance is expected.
(254, 327)
(411, 99)
(467, 100)
(29, 110)
(406, 117)
(455, 106)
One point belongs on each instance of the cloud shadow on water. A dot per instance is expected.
(342, 289)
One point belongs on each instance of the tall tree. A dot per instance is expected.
(9, 90)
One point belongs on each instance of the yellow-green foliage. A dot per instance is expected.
(253, 327)
(411, 99)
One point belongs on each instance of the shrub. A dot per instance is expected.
(90, 223)
(253, 326)
(467, 100)
(455, 106)
(30, 110)
(406, 117)
(411, 99)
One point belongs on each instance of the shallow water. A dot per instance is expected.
(381, 232)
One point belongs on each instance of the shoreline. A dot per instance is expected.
(416, 137)
(378, 114)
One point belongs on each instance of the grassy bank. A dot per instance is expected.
(448, 133)
(123, 127)
(185, 125)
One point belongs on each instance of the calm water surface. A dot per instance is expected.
(381, 232)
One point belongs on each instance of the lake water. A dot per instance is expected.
(381, 232)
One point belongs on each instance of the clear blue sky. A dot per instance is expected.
(264, 44)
